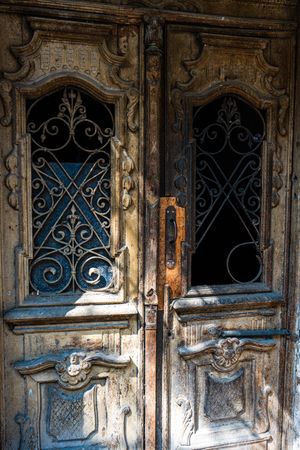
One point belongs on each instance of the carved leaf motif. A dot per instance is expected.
(11, 180)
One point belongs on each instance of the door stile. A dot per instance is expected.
(153, 120)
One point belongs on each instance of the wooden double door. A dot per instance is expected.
(145, 217)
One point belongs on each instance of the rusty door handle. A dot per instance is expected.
(171, 237)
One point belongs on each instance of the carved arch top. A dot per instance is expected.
(104, 53)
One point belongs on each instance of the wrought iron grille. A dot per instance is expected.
(71, 194)
(229, 135)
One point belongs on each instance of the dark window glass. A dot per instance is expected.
(71, 174)
(229, 135)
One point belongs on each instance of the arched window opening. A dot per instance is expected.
(228, 177)
(71, 192)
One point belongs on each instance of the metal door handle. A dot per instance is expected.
(172, 234)
(171, 237)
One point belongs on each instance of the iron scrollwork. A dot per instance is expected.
(71, 164)
(228, 184)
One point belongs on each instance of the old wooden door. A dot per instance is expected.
(144, 221)
(227, 171)
(71, 227)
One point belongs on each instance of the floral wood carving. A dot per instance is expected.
(11, 180)
(226, 353)
(127, 181)
(73, 368)
(28, 437)
(188, 424)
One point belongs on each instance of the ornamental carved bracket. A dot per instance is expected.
(226, 353)
(73, 369)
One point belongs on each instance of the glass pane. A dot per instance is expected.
(71, 174)
(229, 135)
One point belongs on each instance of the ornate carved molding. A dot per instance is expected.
(72, 368)
(188, 424)
(11, 180)
(226, 353)
(28, 437)
(127, 181)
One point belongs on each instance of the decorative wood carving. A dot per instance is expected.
(277, 182)
(5, 96)
(28, 437)
(54, 49)
(262, 419)
(11, 180)
(73, 368)
(223, 66)
(153, 45)
(127, 181)
(132, 109)
(226, 352)
(188, 424)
